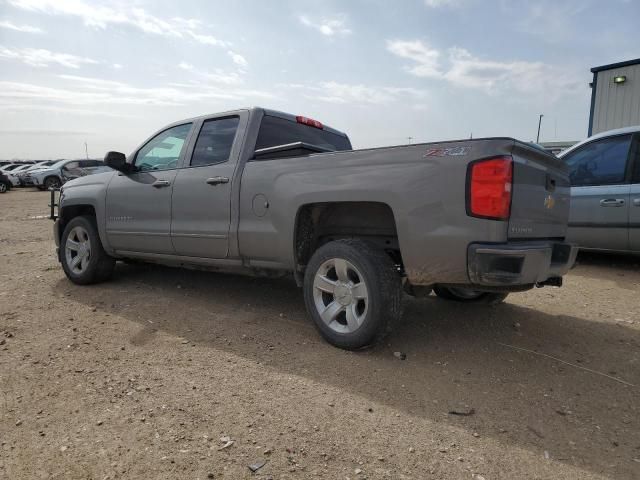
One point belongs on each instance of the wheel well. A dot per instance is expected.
(72, 211)
(319, 223)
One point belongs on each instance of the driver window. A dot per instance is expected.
(602, 162)
(162, 152)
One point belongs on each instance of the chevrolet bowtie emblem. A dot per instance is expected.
(549, 202)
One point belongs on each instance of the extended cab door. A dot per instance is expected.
(201, 208)
(634, 206)
(600, 190)
(138, 205)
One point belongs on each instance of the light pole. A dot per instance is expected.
(539, 123)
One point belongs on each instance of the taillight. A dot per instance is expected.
(489, 188)
(309, 121)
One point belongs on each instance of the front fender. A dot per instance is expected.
(87, 192)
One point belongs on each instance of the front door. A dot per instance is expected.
(201, 208)
(138, 205)
(600, 190)
(634, 205)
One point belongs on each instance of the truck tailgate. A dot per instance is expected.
(541, 194)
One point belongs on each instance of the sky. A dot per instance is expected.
(386, 72)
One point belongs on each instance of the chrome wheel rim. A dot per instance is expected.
(77, 250)
(3, 188)
(465, 293)
(340, 295)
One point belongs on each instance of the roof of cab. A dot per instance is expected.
(267, 111)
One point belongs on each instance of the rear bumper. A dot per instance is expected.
(519, 263)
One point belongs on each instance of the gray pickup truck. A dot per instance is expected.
(265, 192)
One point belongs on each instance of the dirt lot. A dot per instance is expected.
(142, 376)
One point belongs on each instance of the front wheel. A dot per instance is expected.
(352, 292)
(467, 295)
(84, 261)
(52, 182)
(3, 187)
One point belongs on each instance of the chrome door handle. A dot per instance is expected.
(217, 180)
(636, 202)
(161, 183)
(612, 202)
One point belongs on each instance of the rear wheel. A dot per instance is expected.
(467, 295)
(84, 261)
(352, 293)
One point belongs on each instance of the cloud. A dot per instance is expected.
(238, 59)
(426, 59)
(219, 76)
(345, 93)
(100, 16)
(442, 3)
(39, 57)
(19, 28)
(98, 93)
(116, 66)
(462, 69)
(551, 21)
(48, 133)
(336, 25)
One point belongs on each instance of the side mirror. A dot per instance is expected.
(117, 161)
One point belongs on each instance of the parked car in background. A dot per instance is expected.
(25, 175)
(9, 167)
(85, 167)
(14, 175)
(5, 183)
(605, 191)
(52, 176)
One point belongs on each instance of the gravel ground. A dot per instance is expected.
(146, 376)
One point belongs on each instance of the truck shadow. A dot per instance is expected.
(460, 358)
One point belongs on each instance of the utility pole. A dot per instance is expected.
(86, 150)
(410, 139)
(539, 123)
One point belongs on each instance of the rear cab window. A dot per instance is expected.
(275, 131)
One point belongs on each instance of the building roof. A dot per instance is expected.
(611, 66)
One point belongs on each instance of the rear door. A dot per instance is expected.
(600, 193)
(201, 206)
(634, 206)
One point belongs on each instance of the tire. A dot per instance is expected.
(358, 288)
(96, 266)
(52, 182)
(3, 187)
(465, 295)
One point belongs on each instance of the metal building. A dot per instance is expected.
(615, 96)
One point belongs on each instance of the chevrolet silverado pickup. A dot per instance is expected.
(265, 192)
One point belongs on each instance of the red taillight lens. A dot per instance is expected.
(309, 121)
(489, 188)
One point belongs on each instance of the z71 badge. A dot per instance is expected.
(447, 152)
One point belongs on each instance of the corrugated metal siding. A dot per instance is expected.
(617, 105)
